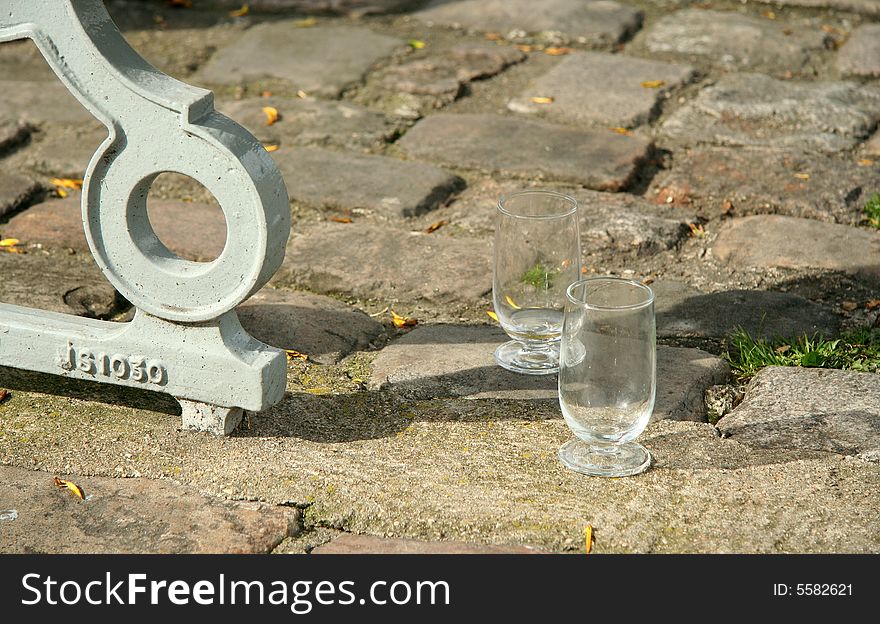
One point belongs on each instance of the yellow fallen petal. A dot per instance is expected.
(653, 84)
(244, 10)
(9, 242)
(416, 44)
(70, 485)
(492, 315)
(866, 162)
(296, 355)
(802, 176)
(542, 99)
(271, 147)
(271, 114)
(623, 131)
(68, 183)
(511, 302)
(588, 538)
(307, 22)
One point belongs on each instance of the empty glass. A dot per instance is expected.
(537, 255)
(607, 376)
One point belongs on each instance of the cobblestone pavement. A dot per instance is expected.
(722, 151)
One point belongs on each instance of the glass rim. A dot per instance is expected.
(617, 280)
(571, 201)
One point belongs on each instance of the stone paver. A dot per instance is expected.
(308, 122)
(12, 133)
(736, 181)
(610, 222)
(860, 55)
(387, 264)
(444, 76)
(597, 22)
(324, 329)
(753, 109)
(791, 243)
(192, 230)
(322, 61)
(601, 160)
(363, 183)
(40, 103)
(353, 8)
(456, 361)
(806, 408)
(40, 281)
(349, 544)
(683, 312)
(868, 7)
(15, 190)
(736, 42)
(63, 153)
(600, 89)
(132, 516)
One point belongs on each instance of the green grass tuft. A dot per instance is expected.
(857, 350)
(539, 276)
(872, 210)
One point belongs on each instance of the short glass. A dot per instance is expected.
(536, 256)
(607, 376)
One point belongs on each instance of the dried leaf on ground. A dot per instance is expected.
(341, 219)
(179, 4)
(525, 48)
(848, 306)
(271, 114)
(697, 229)
(557, 51)
(3, 394)
(436, 226)
(244, 10)
(802, 176)
(494, 36)
(865, 162)
(74, 184)
(306, 22)
(271, 147)
(402, 321)
(622, 131)
(296, 355)
(872, 304)
(542, 99)
(70, 485)
(653, 84)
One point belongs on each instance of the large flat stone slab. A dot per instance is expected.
(599, 22)
(737, 42)
(309, 122)
(809, 408)
(860, 55)
(483, 472)
(15, 191)
(376, 262)
(601, 160)
(599, 89)
(192, 230)
(791, 243)
(323, 61)
(735, 181)
(40, 103)
(756, 110)
(132, 516)
(364, 183)
(456, 361)
(324, 329)
(349, 544)
(70, 284)
(683, 312)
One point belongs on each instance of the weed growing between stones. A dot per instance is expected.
(872, 210)
(856, 350)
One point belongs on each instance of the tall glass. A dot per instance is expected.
(537, 255)
(607, 376)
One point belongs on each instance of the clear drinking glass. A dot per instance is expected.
(537, 255)
(607, 375)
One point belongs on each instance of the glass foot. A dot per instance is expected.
(620, 460)
(516, 357)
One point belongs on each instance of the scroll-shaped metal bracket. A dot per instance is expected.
(185, 338)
